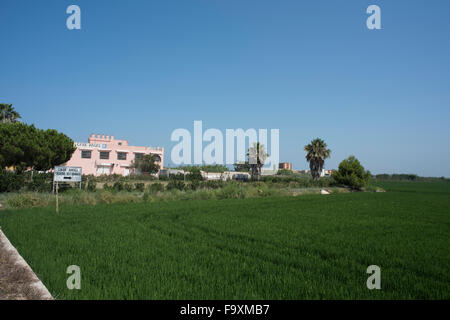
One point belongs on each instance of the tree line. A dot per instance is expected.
(24, 146)
(350, 172)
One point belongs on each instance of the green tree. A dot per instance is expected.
(352, 174)
(147, 164)
(257, 155)
(194, 174)
(316, 153)
(8, 114)
(24, 146)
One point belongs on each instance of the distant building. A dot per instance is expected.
(285, 166)
(171, 172)
(106, 155)
(326, 173)
(208, 176)
(227, 175)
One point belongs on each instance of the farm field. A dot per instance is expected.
(305, 247)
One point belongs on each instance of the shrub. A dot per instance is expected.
(10, 181)
(400, 177)
(146, 197)
(194, 185)
(232, 190)
(156, 187)
(42, 182)
(163, 178)
(285, 172)
(176, 185)
(28, 200)
(91, 186)
(118, 186)
(139, 186)
(203, 195)
(194, 175)
(213, 184)
(352, 174)
(128, 187)
(178, 176)
(63, 187)
(106, 197)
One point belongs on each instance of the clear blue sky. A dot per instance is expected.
(140, 69)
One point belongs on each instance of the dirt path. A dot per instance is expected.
(17, 280)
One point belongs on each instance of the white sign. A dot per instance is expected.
(67, 174)
(85, 145)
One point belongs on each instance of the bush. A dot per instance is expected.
(176, 185)
(163, 177)
(399, 177)
(139, 186)
(91, 186)
(194, 185)
(64, 186)
(42, 182)
(29, 200)
(194, 175)
(146, 197)
(352, 174)
(156, 187)
(213, 184)
(118, 186)
(10, 181)
(178, 176)
(128, 187)
(106, 197)
(285, 172)
(232, 190)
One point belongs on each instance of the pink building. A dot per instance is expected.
(106, 155)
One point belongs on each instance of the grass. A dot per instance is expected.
(306, 247)
(226, 190)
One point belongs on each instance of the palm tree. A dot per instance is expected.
(316, 153)
(257, 155)
(8, 114)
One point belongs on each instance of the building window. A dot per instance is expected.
(121, 156)
(120, 143)
(86, 154)
(138, 156)
(104, 155)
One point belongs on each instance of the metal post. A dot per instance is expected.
(57, 204)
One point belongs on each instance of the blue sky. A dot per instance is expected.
(140, 69)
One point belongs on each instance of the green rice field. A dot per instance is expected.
(305, 247)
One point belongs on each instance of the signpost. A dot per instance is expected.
(65, 174)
